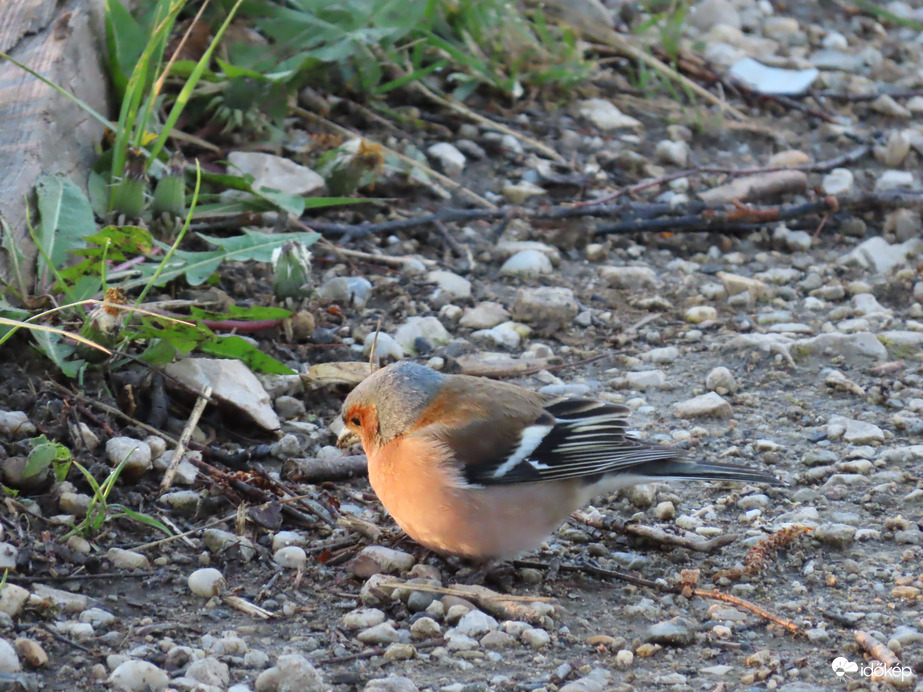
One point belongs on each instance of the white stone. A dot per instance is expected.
(429, 328)
(383, 633)
(536, 638)
(454, 285)
(449, 157)
(12, 599)
(721, 378)
(646, 379)
(9, 659)
(670, 152)
(503, 335)
(207, 582)
(839, 181)
(386, 347)
(859, 344)
(604, 115)
(546, 305)
(291, 673)
(127, 559)
(277, 173)
(362, 618)
(476, 623)
(484, 316)
(628, 277)
(855, 432)
(138, 676)
(700, 313)
(893, 180)
(667, 354)
(710, 404)
(291, 557)
(519, 193)
(876, 253)
(16, 423)
(209, 671)
(232, 383)
(527, 263)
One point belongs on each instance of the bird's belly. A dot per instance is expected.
(483, 523)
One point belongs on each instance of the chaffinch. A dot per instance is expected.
(487, 470)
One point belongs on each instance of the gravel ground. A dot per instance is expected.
(794, 349)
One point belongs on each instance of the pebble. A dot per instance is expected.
(894, 180)
(476, 623)
(9, 659)
(382, 633)
(127, 559)
(452, 284)
(291, 557)
(628, 277)
(605, 116)
(527, 263)
(545, 305)
(429, 328)
(449, 157)
(16, 423)
(536, 638)
(207, 582)
(676, 632)
(377, 559)
(291, 672)
(362, 618)
(392, 683)
(711, 404)
(646, 379)
(30, 651)
(136, 454)
(484, 316)
(721, 380)
(386, 347)
(138, 676)
(209, 671)
(425, 627)
(839, 535)
(700, 313)
(519, 193)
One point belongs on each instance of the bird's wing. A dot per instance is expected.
(570, 438)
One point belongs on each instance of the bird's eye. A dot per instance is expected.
(355, 420)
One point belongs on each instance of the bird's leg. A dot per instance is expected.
(495, 571)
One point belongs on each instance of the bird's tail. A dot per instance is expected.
(677, 469)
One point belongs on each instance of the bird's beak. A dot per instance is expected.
(347, 438)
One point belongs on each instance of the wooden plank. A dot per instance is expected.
(40, 130)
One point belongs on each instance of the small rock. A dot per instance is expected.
(209, 671)
(450, 158)
(276, 172)
(476, 623)
(710, 404)
(721, 380)
(291, 672)
(31, 651)
(138, 676)
(391, 683)
(417, 328)
(839, 535)
(377, 559)
(386, 348)
(628, 277)
(383, 633)
(291, 557)
(519, 193)
(839, 181)
(605, 116)
(484, 316)
(9, 659)
(527, 263)
(646, 379)
(676, 632)
(855, 432)
(135, 453)
(207, 582)
(700, 313)
(425, 628)
(673, 153)
(893, 180)
(452, 284)
(127, 559)
(536, 638)
(15, 423)
(546, 305)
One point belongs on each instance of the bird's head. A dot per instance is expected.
(386, 404)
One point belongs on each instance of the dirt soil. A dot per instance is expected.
(839, 421)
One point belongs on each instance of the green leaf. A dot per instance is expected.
(58, 352)
(243, 350)
(254, 313)
(44, 454)
(286, 201)
(65, 218)
(196, 267)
